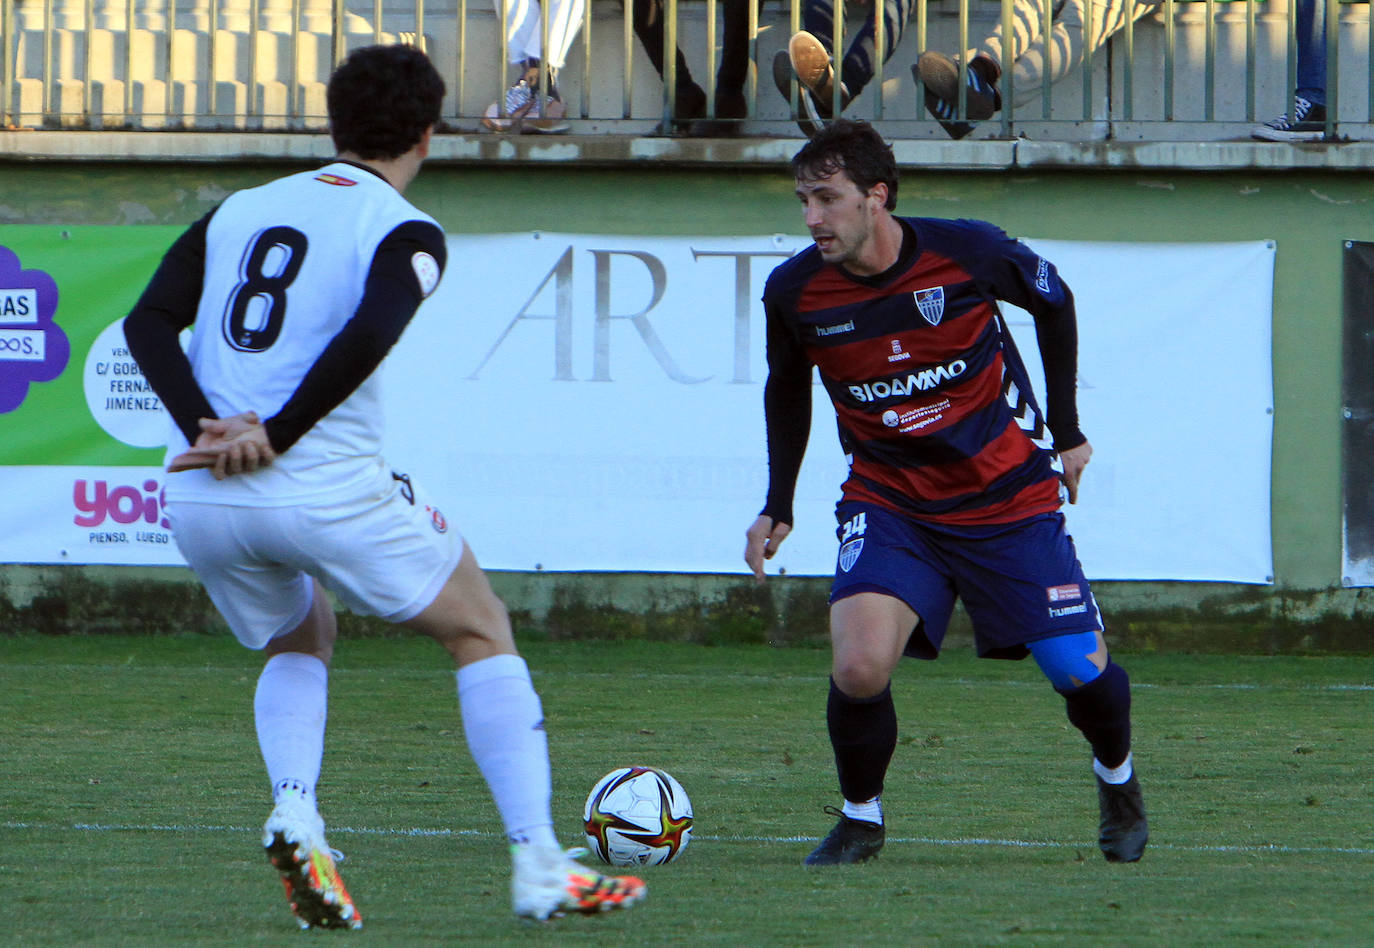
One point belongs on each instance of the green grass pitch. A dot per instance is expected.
(131, 797)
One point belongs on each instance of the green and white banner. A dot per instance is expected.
(589, 402)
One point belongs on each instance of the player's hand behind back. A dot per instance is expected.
(237, 444)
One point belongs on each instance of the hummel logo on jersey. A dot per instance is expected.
(931, 303)
(336, 180)
(902, 385)
(833, 330)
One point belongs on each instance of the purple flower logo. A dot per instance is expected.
(33, 348)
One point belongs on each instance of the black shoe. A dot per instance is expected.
(731, 111)
(850, 841)
(1308, 124)
(1123, 831)
(940, 77)
(689, 106)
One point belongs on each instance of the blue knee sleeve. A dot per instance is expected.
(1064, 659)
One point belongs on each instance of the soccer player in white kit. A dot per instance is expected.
(278, 491)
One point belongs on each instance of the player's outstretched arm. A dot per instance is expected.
(1074, 460)
(762, 540)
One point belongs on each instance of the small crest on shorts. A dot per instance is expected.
(849, 554)
(1064, 593)
(931, 303)
(436, 520)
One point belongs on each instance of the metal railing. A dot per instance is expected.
(1197, 70)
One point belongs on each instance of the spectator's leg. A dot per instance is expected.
(565, 20)
(733, 71)
(523, 30)
(1026, 40)
(690, 100)
(859, 63)
(1311, 41)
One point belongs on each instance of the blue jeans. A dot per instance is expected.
(1311, 41)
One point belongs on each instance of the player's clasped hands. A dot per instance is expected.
(227, 446)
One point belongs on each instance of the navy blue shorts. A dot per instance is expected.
(1019, 581)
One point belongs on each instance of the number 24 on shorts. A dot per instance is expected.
(854, 527)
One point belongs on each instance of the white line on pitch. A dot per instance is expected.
(916, 840)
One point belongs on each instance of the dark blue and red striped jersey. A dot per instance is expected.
(934, 405)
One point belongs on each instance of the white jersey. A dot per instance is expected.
(285, 268)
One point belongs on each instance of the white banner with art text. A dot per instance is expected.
(584, 402)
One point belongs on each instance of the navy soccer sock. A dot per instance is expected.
(1101, 709)
(863, 733)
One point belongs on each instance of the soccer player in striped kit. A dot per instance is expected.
(955, 474)
(277, 489)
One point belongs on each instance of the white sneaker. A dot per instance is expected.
(296, 847)
(523, 112)
(548, 882)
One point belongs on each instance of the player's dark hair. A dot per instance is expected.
(381, 99)
(854, 147)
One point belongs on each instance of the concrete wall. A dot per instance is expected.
(1308, 213)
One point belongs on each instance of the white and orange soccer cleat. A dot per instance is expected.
(548, 882)
(295, 844)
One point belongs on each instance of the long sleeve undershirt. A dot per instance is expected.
(391, 296)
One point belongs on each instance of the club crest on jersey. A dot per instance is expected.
(335, 179)
(849, 554)
(426, 271)
(931, 303)
(436, 520)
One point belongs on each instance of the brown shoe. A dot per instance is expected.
(811, 63)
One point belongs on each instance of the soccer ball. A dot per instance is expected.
(638, 816)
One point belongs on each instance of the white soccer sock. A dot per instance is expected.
(290, 707)
(503, 720)
(870, 811)
(1116, 775)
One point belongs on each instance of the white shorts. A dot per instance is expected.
(386, 551)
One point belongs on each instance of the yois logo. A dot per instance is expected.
(96, 501)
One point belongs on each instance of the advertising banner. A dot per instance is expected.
(586, 402)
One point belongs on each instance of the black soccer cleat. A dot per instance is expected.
(1123, 831)
(849, 842)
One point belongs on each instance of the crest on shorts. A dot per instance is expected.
(849, 554)
(436, 520)
(931, 303)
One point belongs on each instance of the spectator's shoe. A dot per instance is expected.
(1307, 125)
(850, 841)
(1123, 832)
(294, 840)
(689, 106)
(811, 63)
(940, 75)
(523, 112)
(548, 882)
(731, 111)
(811, 114)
